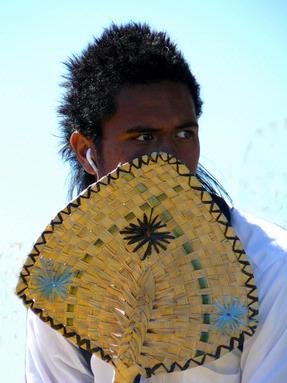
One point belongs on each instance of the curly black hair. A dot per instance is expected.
(130, 54)
(124, 55)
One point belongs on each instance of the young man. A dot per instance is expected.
(132, 93)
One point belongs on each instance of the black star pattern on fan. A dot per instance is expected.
(146, 232)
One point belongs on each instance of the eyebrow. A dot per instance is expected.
(147, 128)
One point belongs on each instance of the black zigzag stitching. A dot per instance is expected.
(95, 188)
(233, 341)
(83, 343)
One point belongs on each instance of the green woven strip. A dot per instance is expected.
(130, 216)
(161, 197)
(196, 264)
(87, 258)
(203, 284)
(113, 229)
(128, 176)
(153, 201)
(70, 308)
(98, 242)
(206, 318)
(204, 336)
(177, 231)
(177, 188)
(145, 206)
(141, 188)
(165, 216)
(187, 247)
(205, 298)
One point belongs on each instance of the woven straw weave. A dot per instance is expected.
(138, 270)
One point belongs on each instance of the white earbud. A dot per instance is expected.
(91, 162)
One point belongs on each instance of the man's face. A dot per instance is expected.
(151, 118)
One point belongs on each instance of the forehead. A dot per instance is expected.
(166, 102)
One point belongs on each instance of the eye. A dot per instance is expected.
(186, 134)
(144, 137)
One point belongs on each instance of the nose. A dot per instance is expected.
(167, 145)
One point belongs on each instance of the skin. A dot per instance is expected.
(148, 118)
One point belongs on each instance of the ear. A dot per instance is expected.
(80, 144)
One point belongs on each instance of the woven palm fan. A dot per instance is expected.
(143, 270)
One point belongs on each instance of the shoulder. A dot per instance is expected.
(265, 245)
(263, 242)
(263, 357)
(50, 357)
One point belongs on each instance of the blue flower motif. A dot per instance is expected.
(229, 315)
(51, 282)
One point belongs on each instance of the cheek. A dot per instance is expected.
(196, 157)
(116, 153)
(198, 150)
(113, 154)
(191, 157)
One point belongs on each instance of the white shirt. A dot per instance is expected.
(50, 358)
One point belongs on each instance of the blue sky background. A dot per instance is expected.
(237, 50)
